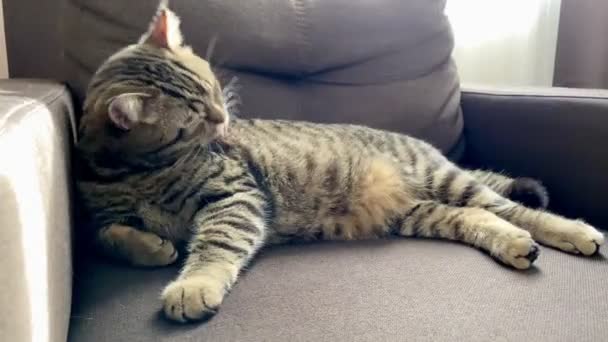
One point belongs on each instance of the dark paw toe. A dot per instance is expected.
(597, 249)
(533, 254)
(529, 192)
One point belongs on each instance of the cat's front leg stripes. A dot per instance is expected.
(226, 236)
(473, 226)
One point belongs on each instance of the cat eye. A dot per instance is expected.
(199, 108)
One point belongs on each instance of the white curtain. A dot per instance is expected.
(505, 42)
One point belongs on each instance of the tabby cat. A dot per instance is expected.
(166, 165)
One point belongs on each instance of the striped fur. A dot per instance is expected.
(161, 169)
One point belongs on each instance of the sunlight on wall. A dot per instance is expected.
(505, 42)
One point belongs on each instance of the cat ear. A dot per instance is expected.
(126, 110)
(164, 31)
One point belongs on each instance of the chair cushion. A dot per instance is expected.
(399, 290)
(383, 63)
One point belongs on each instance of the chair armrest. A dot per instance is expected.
(558, 135)
(35, 235)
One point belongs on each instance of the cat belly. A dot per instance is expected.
(377, 196)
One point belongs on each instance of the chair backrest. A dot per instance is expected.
(382, 63)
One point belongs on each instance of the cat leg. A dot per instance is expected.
(474, 226)
(227, 234)
(135, 246)
(569, 235)
(453, 186)
(527, 191)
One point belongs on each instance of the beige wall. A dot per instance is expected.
(3, 61)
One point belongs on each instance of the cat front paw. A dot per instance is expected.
(138, 247)
(192, 299)
(576, 237)
(518, 250)
(154, 251)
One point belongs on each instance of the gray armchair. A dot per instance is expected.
(385, 64)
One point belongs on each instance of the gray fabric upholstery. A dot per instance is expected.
(557, 135)
(34, 38)
(404, 290)
(35, 225)
(384, 63)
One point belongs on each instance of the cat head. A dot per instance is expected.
(153, 97)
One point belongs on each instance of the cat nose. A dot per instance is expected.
(216, 116)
